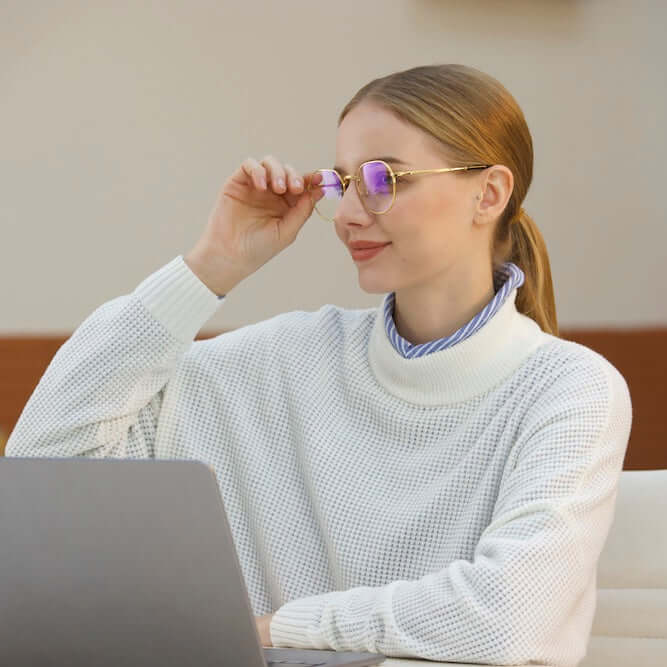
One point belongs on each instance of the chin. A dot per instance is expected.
(377, 290)
(375, 284)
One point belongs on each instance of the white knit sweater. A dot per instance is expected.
(450, 507)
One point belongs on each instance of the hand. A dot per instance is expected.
(263, 627)
(252, 220)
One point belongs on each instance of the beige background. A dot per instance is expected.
(119, 122)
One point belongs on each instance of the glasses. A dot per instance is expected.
(375, 181)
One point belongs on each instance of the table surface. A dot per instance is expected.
(405, 662)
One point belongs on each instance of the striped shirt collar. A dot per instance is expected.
(505, 279)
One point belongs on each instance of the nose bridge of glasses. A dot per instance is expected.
(357, 176)
(346, 183)
(347, 179)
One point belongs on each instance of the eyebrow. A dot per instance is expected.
(395, 160)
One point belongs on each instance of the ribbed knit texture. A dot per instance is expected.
(450, 507)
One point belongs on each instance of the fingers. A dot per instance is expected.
(294, 179)
(283, 179)
(254, 172)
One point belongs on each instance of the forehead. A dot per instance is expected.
(369, 132)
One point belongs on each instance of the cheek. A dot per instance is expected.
(426, 234)
(420, 224)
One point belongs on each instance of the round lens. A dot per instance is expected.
(377, 186)
(328, 193)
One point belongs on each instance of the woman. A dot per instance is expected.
(434, 477)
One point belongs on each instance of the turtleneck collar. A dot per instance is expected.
(463, 370)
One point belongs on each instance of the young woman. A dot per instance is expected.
(434, 477)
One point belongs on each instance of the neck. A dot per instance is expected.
(426, 313)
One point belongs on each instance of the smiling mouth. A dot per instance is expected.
(367, 253)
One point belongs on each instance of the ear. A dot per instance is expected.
(495, 191)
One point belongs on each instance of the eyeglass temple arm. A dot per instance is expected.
(429, 171)
(351, 177)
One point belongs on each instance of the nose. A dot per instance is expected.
(350, 210)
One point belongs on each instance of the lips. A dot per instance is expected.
(365, 245)
(361, 254)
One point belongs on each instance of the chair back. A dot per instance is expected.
(630, 623)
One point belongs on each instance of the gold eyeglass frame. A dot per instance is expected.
(395, 175)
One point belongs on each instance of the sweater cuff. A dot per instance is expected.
(297, 623)
(176, 297)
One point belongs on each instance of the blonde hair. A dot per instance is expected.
(475, 120)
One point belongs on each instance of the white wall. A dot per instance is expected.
(119, 122)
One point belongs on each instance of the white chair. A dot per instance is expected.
(630, 623)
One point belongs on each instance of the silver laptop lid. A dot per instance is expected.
(119, 562)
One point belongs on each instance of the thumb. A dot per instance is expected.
(297, 215)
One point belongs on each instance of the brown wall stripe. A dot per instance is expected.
(639, 354)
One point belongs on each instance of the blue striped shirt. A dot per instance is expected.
(505, 280)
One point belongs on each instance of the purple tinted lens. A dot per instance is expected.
(330, 183)
(377, 186)
(332, 192)
(376, 179)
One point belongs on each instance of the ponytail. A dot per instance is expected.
(535, 298)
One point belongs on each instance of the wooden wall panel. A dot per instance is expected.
(641, 357)
(639, 354)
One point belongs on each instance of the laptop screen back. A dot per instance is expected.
(119, 562)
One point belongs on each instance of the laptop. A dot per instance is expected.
(127, 562)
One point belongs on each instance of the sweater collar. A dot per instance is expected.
(462, 371)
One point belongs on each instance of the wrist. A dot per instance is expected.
(209, 274)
